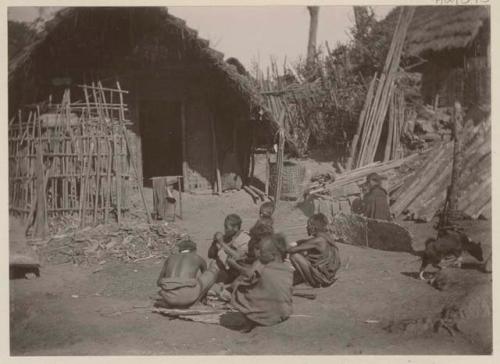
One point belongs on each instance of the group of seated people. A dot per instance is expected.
(254, 271)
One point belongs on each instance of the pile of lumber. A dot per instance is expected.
(424, 194)
(380, 93)
(395, 171)
(417, 184)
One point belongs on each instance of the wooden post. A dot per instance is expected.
(215, 155)
(267, 173)
(183, 137)
(40, 228)
(279, 166)
(252, 156)
(313, 30)
(457, 161)
(179, 186)
(132, 160)
(138, 139)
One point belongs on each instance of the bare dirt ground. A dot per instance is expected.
(71, 311)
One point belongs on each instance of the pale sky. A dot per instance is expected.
(255, 32)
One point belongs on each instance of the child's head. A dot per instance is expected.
(259, 231)
(317, 223)
(272, 248)
(232, 224)
(186, 245)
(255, 248)
(374, 179)
(266, 209)
(364, 187)
(263, 226)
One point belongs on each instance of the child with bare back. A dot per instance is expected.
(316, 259)
(184, 278)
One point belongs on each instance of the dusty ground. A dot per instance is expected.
(71, 311)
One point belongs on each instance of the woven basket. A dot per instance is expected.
(292, 178)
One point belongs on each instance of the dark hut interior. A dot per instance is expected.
(177, 85)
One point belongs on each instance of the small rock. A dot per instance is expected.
(74, 296)
(487, 265)
(30, 276)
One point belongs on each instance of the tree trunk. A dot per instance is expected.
(360, 13)
(313, 31)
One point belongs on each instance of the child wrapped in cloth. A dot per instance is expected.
(263, 293)
(184, 278)
(316, 260)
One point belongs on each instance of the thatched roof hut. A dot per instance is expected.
(445, 28)
(174, 77)
(22, 63)
(442, 28)
(454, 43)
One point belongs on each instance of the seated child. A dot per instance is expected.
(263, 294)
(184, 278)
(266, 210)
(316, 260)
(357, 205)
(233, 243)
(263, 227)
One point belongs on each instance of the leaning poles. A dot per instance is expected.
(377, 101)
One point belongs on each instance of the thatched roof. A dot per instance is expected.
(20, 67)
(441, 28)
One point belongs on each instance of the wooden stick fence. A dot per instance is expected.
(82, 151)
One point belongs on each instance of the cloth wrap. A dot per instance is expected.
(266, 297)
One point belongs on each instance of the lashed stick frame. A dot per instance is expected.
(83, 149)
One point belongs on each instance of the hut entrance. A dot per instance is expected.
(161, 132)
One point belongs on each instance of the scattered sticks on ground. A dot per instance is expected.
(132, 241)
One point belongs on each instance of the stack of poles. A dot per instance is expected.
(421, 197)
(378, 97)
(358, 175)
(395, 125)
(82, 151)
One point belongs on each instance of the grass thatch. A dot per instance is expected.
(21, 67)
(442, 28)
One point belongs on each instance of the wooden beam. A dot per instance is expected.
(183, 137)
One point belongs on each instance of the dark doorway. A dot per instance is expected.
(161, 133)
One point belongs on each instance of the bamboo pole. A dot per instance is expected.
(108, 183)
(390, 131)
(132, 160)
(184, 149)
(215, 155)
(267, 173)
(361, 121)
(385, 87)
(279, 166)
